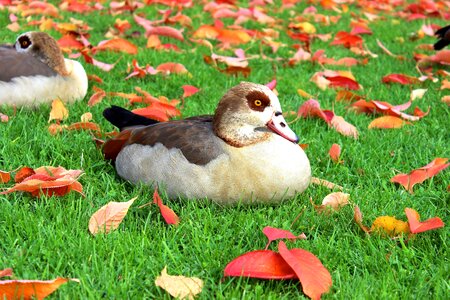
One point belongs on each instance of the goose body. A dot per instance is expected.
(245, 152)
(34, 71)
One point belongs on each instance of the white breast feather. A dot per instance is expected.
(34, 90)
(265, 172)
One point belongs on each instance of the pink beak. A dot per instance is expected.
(278, 125)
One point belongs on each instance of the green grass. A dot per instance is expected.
(48, 237)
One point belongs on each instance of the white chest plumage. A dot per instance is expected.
(34, 90)
(263, 172)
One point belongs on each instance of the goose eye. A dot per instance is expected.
(24, 44)
(258, 102)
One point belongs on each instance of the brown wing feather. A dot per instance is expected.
(195, 139)
(14, 64)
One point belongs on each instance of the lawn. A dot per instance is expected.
(48, 237)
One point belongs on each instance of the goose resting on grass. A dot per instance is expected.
(245, 152)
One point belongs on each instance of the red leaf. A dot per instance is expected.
(189, 90)
(311, 108)
(97, 97)
(69, 41)
(400, 78)
(314, 277)
(276, 234)
(264, 264)
(416, 226)
(420, 175)
(342, 81)
(6, 272)
(347, 40)
(4, 176)
(335, 152)
(23, 173)
(30, 289)
(168, 214)
(271, 85)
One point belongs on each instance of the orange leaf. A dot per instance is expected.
(420, 175)
(152, 113)
(416, 226)
(275, 234)
(313, 276)
(335, 152)
(59, 112)
(387, 122)
(233, 36)
(97, 97)
(358, 219)
(168, 214)
(117, 44)
(6, 272)
(343, 127)
(4, 176)
(171, 67)
(84, 126)
(23, 173)
(109, 217)
(389, 225)
(30, 289)
(189, 90)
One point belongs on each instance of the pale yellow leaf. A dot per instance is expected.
(336, 200)
(109, 216)
(59, 112)
(86, 117)
(417, 94)
(179, 286)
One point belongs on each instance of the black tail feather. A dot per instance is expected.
(121, 117)
(441, 44)
(442, 31)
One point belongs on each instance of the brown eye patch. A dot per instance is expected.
(24, 42)
(257, 100)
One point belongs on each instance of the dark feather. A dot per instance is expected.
(14, 64)
(444, 35)
(123, 118)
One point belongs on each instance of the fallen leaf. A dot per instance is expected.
(311, 108)
(168, 214)
(4, 118)
(170, 67)
(30, 289)
(325, 183)
(4, 176)
(97, 97)
(400, 78)
(86, 117)
(304, 94)
(6, 272)
(59, 112)
(343, 127)
(343, 82)
(420, 175)
(416, 226)
(189, 90)
(335, 200)
(335, 152)
(313, 276)
(387, 122)
(358, 219)
(109, 217)
(417, 94)
(23, 173)
(275, 234)
(180, 287)
(389, 225)
(263, 264)
(118, 45)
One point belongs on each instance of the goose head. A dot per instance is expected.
(250, 113)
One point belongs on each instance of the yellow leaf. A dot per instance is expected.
(390, 225)
(306, 27)
(59, 111)
(179, 286)
(304, 94)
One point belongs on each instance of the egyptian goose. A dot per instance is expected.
(34, 71)
(245, 152)
(443, 35)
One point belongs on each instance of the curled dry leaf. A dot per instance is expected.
(168, 214)
(4, 176)
(420, 175)
(387, 122)
(30, 289)
(59, 112)
(343, 127)
(275, 234)
(313, 276)
(311, 108)
(263, 264)
(358, 219)
(416, 226)
(325, 183)
(335, 200)
(109, 217)
(335, 152)
(180, 287)
(417, 94)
